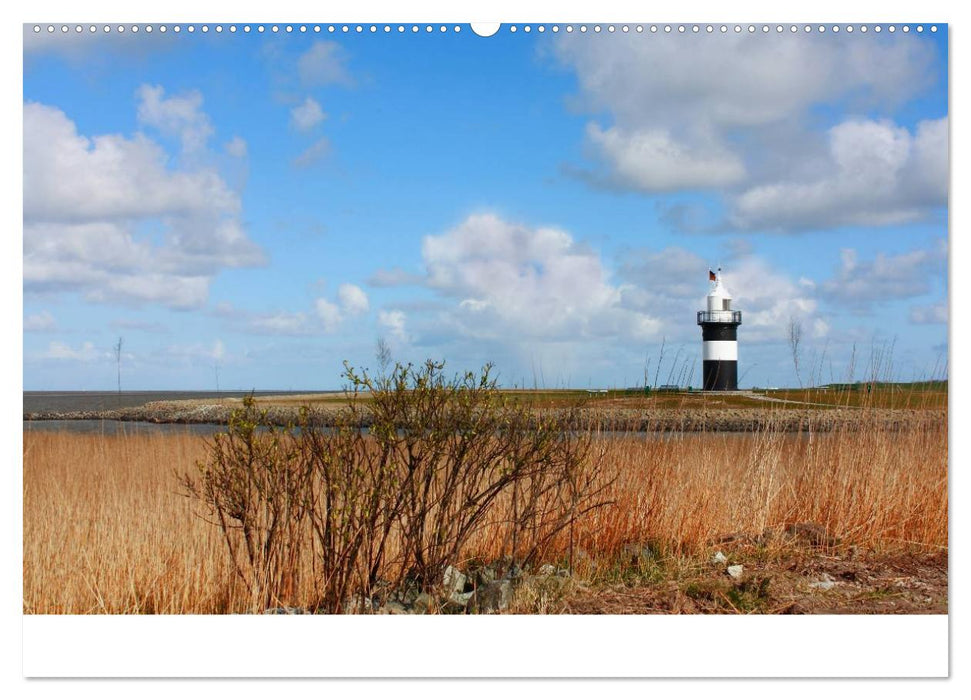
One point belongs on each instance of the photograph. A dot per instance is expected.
(524, 319)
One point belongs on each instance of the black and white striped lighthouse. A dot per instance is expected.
(719, 326)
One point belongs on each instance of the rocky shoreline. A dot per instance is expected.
(776, 418)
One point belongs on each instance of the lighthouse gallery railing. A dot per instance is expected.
(720, 317)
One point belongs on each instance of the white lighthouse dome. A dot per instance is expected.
(719, 298)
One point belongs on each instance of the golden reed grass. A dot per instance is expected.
(106, 529)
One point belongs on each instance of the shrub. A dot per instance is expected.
(414, 465)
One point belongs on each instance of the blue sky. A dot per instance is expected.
(267, 206)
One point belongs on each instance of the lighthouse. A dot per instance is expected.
(719, 348)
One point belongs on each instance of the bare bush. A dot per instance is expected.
(256, 488)
(441, 459)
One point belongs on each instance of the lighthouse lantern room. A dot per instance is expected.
(719, 326)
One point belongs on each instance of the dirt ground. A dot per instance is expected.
(806, 582)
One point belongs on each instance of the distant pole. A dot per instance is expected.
(118, 361)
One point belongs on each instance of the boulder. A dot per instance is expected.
(492, 597)
(454, 580)
(457, 603)
(735, 571)
(719, 558)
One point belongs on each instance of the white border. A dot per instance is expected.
(503, 646)
(515, 646)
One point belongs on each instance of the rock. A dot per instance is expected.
(457, 603)
(454, 580)
(424, 603)
(393, 607)
(286, 611)
(824, 583)
(719, 558)
(492, 597)
(358, 604)
(735, 571)
(485, 575)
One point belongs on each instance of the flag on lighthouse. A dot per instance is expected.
(711, 275)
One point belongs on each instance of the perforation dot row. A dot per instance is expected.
(415, 28)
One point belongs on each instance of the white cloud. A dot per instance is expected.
(509, 280)
(306, 115)
(878, 174)
(670, 283)
(179, 115)
(682, 112)
(42, 322)
(281, 323)
(935, 313)
(194, 354)
(86, 352)
(329, 315)
(110, 217)
(651, 160)
(886, 277)
(315, 152)
(353, 300)
(768, 298)
(394, 321)
(236, 147)
(324, 63)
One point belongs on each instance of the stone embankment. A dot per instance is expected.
(774, 417)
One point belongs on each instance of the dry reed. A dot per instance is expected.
(107, 531)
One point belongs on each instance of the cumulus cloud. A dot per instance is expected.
(236, 147)
(110, 217)
(324, 63)
(86, 352)
(194, 353)
(652, 160)
(329, 315)
(306, 115)
(878, 174)
(353, 300)
(509, 279)
(326, 316)
(42, 322)
(886, 277)
(666, 282)
(279, 323)
(935, 313)
(177, 115)
(724, 112)
(393, 322)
